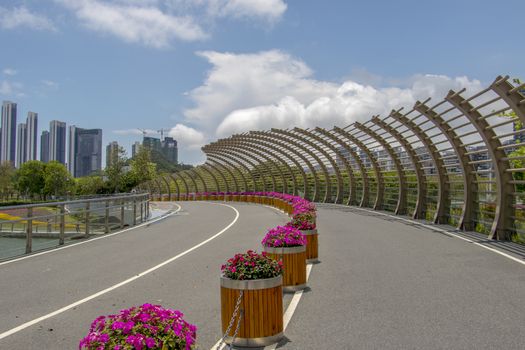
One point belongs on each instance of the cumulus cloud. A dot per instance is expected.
(22, 17)
(135, 21)
(266, 10)
(273, 89)
(187, 137)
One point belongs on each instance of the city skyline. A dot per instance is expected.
(82, 147)
(204, 70)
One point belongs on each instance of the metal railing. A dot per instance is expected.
(53, 223)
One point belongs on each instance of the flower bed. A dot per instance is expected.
(254, 282)
(144, 327)
(251, 266)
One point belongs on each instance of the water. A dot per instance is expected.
(11, 247)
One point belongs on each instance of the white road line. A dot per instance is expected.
(287, 314)
(129, 280)
(435, 228)
(92, 239)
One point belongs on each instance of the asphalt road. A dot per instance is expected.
(381, 284)
(38, 286)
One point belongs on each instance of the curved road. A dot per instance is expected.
(381, 284)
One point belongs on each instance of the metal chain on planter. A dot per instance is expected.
(235, 312)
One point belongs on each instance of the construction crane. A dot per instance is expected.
(162, 133)
(144, 132)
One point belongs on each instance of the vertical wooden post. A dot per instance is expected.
(134, 212)
(87, 218)
(122, 213)
(29, 232)
(62, 224)
(106, 218)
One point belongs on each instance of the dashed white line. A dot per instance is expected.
(129, 280)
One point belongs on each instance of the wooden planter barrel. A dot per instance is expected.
(294, 266)
(262, 323)
(312, 246)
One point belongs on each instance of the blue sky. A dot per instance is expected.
(207, 68)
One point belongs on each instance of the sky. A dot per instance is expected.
(206, 69)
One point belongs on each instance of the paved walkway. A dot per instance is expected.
(381, 283)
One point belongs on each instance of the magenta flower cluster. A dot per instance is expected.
(251, 266)
(284, 236)
(145, 327)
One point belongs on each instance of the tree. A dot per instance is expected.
(115, 172)
(29, 179)
(57, 180)
(7, 174)
(89, 185)
(142, 169)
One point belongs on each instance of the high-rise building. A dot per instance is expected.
(32, 135)
(21, 145)
(71, 153)
(111, 153)
(44, 146)
(87, 150)
(135, 148)
(170, 150)
(151, 143)
(57, 141)
(8, 137)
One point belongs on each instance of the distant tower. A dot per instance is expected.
(57, 141)
(21, 145)
(32, 135)
(135, 148)
(87, 150)
(111, 153)
(44, 146)
(170, 150)
(71, 153)
(8, 137)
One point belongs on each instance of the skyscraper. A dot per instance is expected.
(8, 137)
(87, 151)
(21, 145)
(57, 141)
(44, 146)
(71, 153)
(135, 148)
(111, 153)
(32, 135)
(170, 150)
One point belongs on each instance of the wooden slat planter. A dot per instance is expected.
(294, 266)
(262, 302)
(242, 198)
(235, 197)
(312, 246)
(220, 197)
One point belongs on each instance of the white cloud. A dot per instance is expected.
(259, 91)
(22, 17)
(135, 21)
(9, 71)
(187, 137)
(266, 10)
(11, 89)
